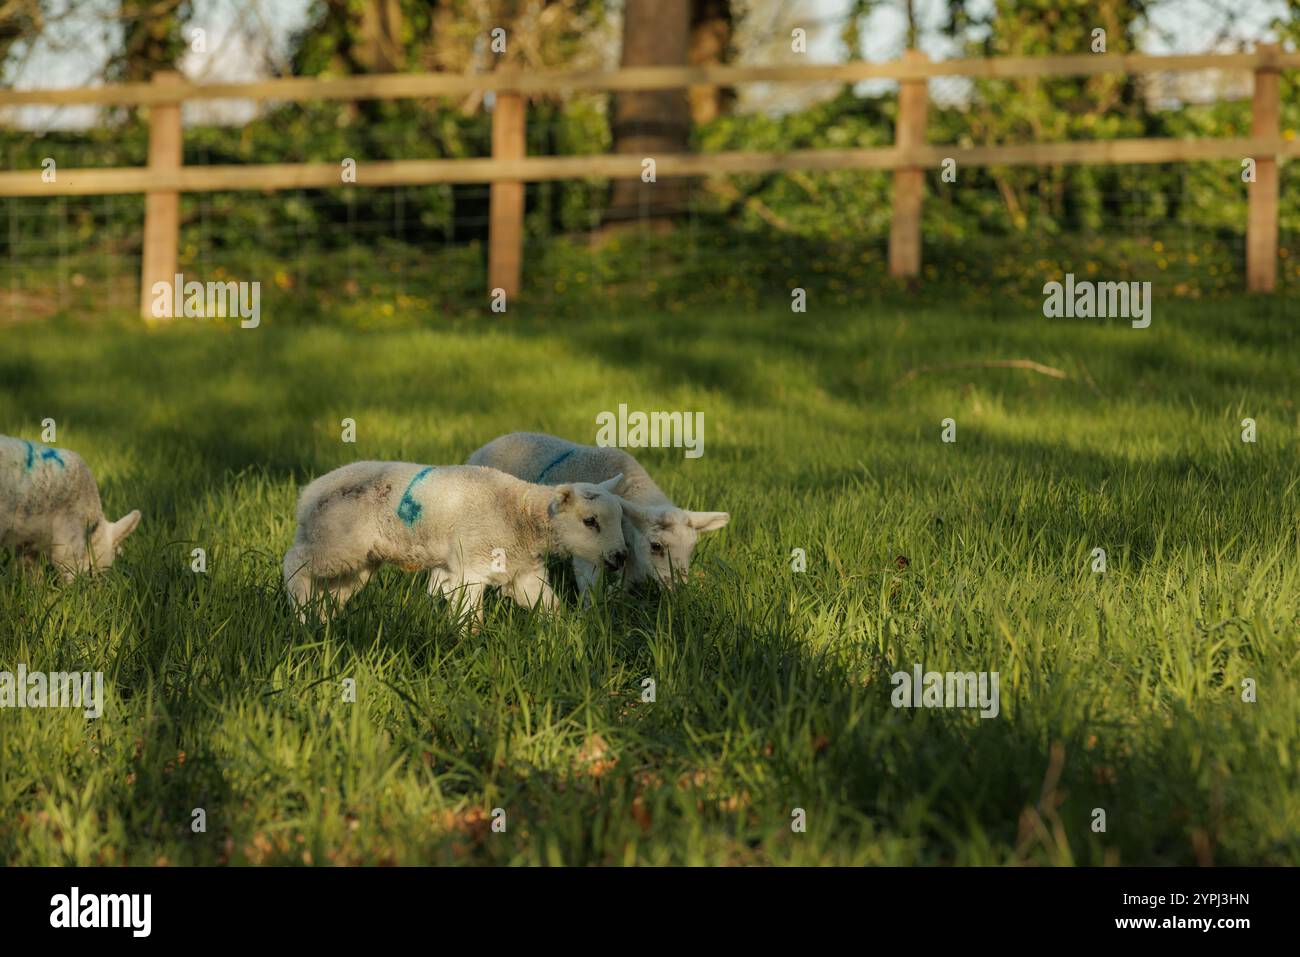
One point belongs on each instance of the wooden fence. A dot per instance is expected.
(165, 178)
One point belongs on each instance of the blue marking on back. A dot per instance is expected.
(408, 509)
(553, 464)
(47, 455)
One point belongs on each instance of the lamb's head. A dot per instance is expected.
(104, 540)
(587, 521)
(667, 539)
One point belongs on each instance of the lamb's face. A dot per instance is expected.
(104, 541)
(670, 535)
(587, 520)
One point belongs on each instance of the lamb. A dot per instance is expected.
(49, 505)
(472, 528)
(661, 537)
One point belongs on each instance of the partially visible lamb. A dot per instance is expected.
(661, 537)
(49, 505)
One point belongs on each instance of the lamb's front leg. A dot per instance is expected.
(532, 590)
(439, 582)
(466, 596)
(68, 548)
(585, 574)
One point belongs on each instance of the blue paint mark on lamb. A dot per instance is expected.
(408, 509)
(47, 455)
(542, 477)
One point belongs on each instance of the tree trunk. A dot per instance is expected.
(652, 123)
(711, 26)
(379, 49)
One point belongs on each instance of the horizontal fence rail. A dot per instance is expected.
(419, 85)
(278, 176)
(165, 178)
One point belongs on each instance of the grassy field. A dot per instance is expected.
(1120, 691)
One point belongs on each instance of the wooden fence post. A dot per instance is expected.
(162, 208)
(1262, 203)
(909, 184)
(506, 206)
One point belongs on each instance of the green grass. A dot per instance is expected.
(1120, 691)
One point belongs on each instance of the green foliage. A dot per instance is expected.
(831, 207)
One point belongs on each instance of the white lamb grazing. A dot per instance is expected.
(49, 505)
(661, 537)
(472, 528)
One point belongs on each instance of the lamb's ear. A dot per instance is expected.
(611, 485)
(562, 500)
(707, 521)
(124, 526)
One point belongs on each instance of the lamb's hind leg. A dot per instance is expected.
(28, 563)
(343, 587)
(299, 583)
(305, 588)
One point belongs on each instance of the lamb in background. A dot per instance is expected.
(49, 505)
(661, 537)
